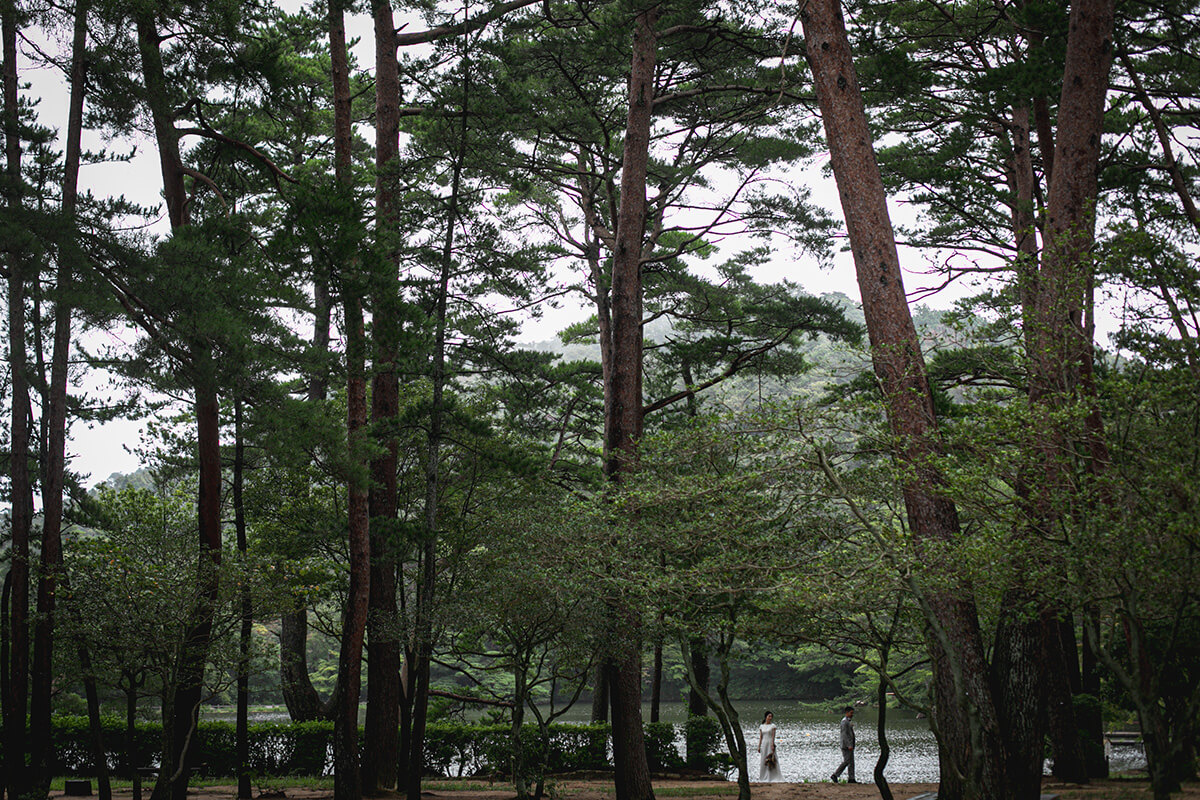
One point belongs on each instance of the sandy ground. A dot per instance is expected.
(600, 788)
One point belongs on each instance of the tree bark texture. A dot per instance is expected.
(16, 665)
(54, 467)
(600, 701)
(1019, 676)
(165, 135)
(1090, 718)
(1059, 331)
(347, 784)
(631, 770)
(299, 695)
(1060, 342)
(382, 724)
(970, 749)
(383, 666)
(1022, 183)
(696, 705)
(181, 713)
(347, 777)
(623, 415)
(1064, 726)
(623, 409)
(656, 682)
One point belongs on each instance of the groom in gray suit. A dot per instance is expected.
(847, 730)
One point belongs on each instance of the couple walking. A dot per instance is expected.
(768, 764)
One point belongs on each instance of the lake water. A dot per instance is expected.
(808, 743)
(809, 746)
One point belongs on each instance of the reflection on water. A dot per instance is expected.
(809, 745)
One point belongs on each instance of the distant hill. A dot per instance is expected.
(141, 479)
(829, 362)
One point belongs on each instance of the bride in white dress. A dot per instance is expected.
(768, 761)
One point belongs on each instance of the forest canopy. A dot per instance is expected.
(362, 488)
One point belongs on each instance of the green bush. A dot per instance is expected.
(452, 750)
(660, 747)
(73, 743)
(275, 749)
(578, 747)
(457, 750)
(704, 745)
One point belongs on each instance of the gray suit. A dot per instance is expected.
(847, 731)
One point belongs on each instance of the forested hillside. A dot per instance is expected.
(298, 245)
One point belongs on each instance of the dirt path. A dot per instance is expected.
(690, 789)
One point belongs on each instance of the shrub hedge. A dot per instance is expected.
(452, 750)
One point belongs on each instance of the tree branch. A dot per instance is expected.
(461, 28)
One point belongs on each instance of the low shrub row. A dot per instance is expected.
(452, 750)
(300, 748)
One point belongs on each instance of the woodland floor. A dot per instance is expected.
(666, 788)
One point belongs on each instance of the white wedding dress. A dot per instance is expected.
(772, 772)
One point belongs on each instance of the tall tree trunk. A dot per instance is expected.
(1022, 183)
(1019, 676)
(347, 778)
(1090, 718)
(1026, 714)
(299, 695)
(1058, 702)
(631, 769)
(656, 676)
(404, 752)
(1063, 724)
(5, 656)
(699, 674)
(247, 610)
(520, 774)
(885, 748)
(971, 750)
(383, 666)
(181, 712)
(16, 666)
(724, 710)
(601, 298)
(699, 660)
(382, 728)
(165, 135)
(1060, 333)
(623, 409)
(55, 423)
(600, 701)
